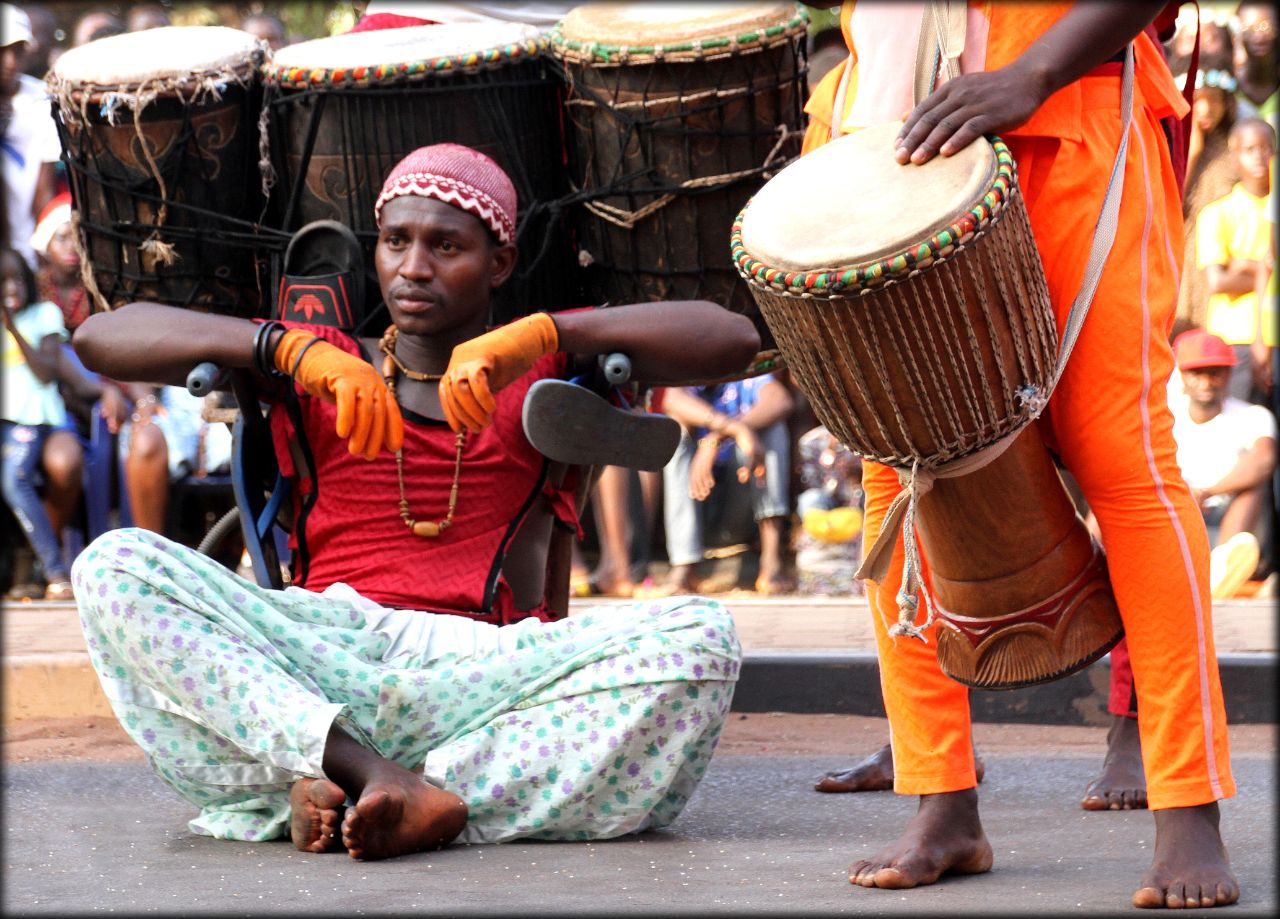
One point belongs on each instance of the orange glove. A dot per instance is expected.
(368, 415)
(484, 365)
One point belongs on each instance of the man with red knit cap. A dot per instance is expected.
(409, 688)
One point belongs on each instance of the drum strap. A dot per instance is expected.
(917, 480)
(942, 37)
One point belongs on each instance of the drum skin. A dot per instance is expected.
(932, 366)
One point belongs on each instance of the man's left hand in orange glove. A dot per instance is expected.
(481, 367)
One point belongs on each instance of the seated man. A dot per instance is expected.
(1226, 450)
(730, 430)
(408, 689)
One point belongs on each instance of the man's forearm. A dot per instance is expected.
(1253, 468)
(1089, 34)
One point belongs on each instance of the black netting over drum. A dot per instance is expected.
(664, 155)
(184, 231)
(333, 145)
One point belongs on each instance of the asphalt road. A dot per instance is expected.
(85, 837)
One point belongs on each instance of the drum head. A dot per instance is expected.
(849, 202)
(462, 45)
(669, 23)
(164, 54)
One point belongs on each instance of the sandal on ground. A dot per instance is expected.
(21, 592)
(59, 590)
(772, 588)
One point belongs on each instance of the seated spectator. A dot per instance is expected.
(1227, 453)
(733, 432)
(1232, 244)
(829, 544)
(38, 448)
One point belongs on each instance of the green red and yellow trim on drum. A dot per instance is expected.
(830, 281)
(592, 52)
(305, 77)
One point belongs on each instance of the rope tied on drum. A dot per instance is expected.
(917, 481)
(627, 220)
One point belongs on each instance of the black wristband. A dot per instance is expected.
(297, 361)
(264, 351)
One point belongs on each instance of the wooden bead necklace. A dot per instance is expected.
(390, 364)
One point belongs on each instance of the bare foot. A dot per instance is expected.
(945, 836)
(1122, 785)
(874, 773)
(398, 813)
(316, 806)
(1190, 867)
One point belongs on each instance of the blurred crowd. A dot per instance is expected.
(759, 496)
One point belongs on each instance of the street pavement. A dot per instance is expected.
(84, 837)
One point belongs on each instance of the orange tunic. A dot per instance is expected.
(1108, 421)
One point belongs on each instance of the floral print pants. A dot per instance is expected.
(587, 728)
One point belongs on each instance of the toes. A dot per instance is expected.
(1148, 898)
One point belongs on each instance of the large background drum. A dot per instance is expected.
(678, 113)
(344, 110)
(910, 304)
(160, 136)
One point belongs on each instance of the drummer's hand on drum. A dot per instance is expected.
(961, 110)
(481, 367)
(368, 416)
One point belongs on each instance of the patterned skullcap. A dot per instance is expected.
(456, 175)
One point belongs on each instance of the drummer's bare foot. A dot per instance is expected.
(1190, 867)
(315, 814)
(944, 837)
(1122, 785)
(874, 773)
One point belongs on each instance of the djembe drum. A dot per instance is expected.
(678, 113)
(344, 110)
(910, 304)
(159, 132)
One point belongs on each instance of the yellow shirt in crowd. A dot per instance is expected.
(1236, 226)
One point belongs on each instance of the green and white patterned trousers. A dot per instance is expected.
(587, 728)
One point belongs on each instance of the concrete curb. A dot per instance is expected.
(848, 683)
(826, 682)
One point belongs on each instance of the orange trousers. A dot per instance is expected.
(1109, 422)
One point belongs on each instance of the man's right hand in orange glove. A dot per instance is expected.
(368, 415)
(482, 366)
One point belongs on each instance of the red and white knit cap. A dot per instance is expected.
(456, 175)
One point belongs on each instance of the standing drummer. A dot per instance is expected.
(1046, 78)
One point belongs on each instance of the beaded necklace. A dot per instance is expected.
(390, 364)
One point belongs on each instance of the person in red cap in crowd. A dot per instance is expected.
(410, 688)
(1227, 452)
